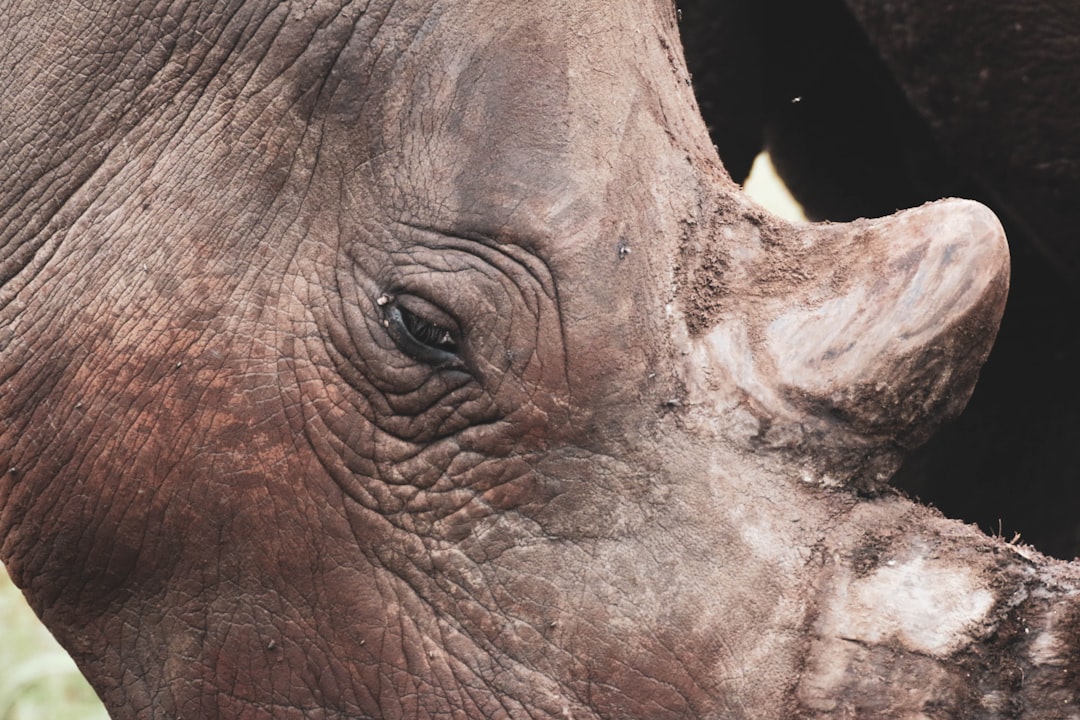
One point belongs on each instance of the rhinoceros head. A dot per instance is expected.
(421, 360)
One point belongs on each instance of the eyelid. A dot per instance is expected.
(428, 312)
(416, 348)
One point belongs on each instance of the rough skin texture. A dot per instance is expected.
(420, 360)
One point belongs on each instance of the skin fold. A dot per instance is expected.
(421, 360)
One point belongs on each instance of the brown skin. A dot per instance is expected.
(244, 484)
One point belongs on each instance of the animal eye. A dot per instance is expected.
(429, 341)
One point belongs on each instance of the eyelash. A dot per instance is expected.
(427, 333)
(420, 339)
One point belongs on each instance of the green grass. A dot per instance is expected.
(38, 681)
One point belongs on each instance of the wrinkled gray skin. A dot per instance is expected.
(420, 360)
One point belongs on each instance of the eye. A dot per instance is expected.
(421, 331)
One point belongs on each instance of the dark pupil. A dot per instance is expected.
(427, 333)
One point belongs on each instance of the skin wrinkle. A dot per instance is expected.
(326, 77)
(100, 165)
